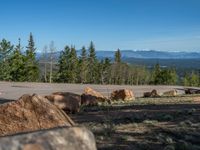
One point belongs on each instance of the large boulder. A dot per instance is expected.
(153, 93)
(170, 93)
(69, 102)
(72, 138)
(92, 97)
(88, 100)
(30, 113)
(90, 91)
(192, 91)
(123, 94)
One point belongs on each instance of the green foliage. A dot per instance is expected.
(194, 79)
(83, 66)
(17, 64)
(31, 69)
(5, 49)
(191, 79)
(63, 64)
(92, 76)
(73, 65)
(186, 80)
(118, 56)
(68, 66)
(164, 76)
(155, 73)
(5, 71)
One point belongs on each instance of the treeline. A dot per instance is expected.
(22, 65)
(18, 66)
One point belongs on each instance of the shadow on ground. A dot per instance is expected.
(3, 100)
(149, 127)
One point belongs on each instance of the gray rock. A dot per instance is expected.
(64, 138)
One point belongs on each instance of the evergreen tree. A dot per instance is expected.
(83, 66)
(6, 49)
(105, 71)
(63, 65)
(118, 56)
(155, 74)
(32, 70)
(165, 76)
(100, 77)
(186, 79)
(194, 80)
(118, 69)
(17, 64)
(92, 65)
(73, 65)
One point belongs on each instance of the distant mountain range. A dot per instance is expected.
(151, 54)
(181, 60)
(142, 54)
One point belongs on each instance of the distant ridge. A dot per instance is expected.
(181, 60)
(143, 54)
(150, 54)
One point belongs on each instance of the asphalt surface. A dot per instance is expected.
(14, 90)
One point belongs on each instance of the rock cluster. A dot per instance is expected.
(71, 102)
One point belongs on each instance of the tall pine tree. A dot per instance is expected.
(17, 64)
(92, 65)
(63, 65)
(106, 71)
(117, 67)
(32, 70)
(83, 66)
(118, 56)
(73, 65)
(6, 49)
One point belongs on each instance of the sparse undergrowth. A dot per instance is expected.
(167, 123)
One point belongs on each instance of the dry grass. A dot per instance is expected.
(147, 123)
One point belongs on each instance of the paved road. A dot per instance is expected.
(13, 90)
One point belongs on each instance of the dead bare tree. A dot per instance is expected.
(52, 50)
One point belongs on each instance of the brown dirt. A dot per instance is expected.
(147, 123)
(170, 122)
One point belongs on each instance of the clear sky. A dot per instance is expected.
(170, 25)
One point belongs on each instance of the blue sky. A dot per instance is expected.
(168, 25)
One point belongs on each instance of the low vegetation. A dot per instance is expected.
(167, 123)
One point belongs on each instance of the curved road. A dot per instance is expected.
(13, 90)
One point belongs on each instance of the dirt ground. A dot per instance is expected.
(166, 123)
(146, 124)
